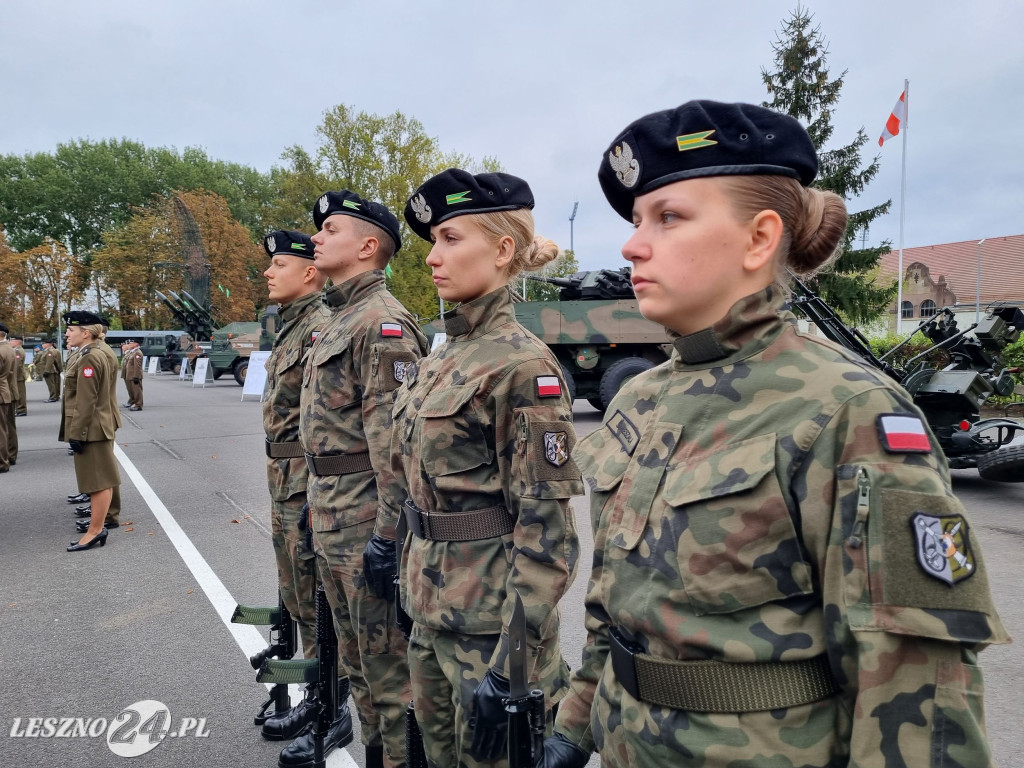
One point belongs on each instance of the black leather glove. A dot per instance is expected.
(559, 752)
(490, 720)
(380, 564)
(136, 381)
(76, 445)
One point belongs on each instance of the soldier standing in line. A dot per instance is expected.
(777, 549)
(482, 445)
(294, 282)
(21, 404)
(90, 419)
(349, 384)
(131, 372)
(8, 428)
(48, 365)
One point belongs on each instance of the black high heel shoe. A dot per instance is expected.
(100, 537)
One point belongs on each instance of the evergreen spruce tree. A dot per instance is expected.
(800, 86)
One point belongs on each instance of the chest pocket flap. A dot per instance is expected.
(451, 437)
(736, 542)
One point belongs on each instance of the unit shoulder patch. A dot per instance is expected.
(943, 547)
(556, 448)
(88, 372)
(902, 433)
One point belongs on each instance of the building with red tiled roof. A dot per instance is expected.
(937, 276)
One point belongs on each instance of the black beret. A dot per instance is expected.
(3, 328)
(703, 138)
(352, 204)
(288, 242)
(456, 192)
(80, 317)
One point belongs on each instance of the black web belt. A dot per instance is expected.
(284, 450)
(338, 463)
(479, 524)
(719, 686)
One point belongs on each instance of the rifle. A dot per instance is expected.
(415, 754)
(525, 708)
(283, 646)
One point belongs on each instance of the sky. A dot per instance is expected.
(542, 86)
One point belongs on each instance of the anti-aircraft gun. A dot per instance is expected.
(950, 397)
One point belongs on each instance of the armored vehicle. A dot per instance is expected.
(232, 344)
(950, 397)
(595, 330)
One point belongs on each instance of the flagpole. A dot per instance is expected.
(903, 194)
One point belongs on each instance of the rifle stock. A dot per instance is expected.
(327, 677)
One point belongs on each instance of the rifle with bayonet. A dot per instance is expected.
(525, 707)
(282, 644)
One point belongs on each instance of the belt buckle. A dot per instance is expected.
(623, 651)
(414, 518)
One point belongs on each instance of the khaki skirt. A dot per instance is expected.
(96, 467)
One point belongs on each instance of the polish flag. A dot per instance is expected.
(896, 119)
(901, 433)
(548, 386)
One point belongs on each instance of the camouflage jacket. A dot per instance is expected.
(751, 503)
(349, 384)
(485, 421)
(89, 408)
(303, 320)
(131, 364)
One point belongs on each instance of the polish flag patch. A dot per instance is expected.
(88, 372)
(548, 386)
(900, 433)
(315, 335)
(391, 329)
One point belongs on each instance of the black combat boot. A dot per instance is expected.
(375, 756)
(289, 723)
(299, 754)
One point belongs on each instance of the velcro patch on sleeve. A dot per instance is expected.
(391, 329)
(549, 386)
(902, 433)
(88, 372)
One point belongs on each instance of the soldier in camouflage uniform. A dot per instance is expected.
(349, 384)
(483, 439)
(295, 284)
(782, 576)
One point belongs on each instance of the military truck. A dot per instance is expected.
(595, 330)
(232, 344)
(950, 397)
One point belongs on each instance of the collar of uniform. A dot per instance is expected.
(293, 310)
(354, 289)
(481, 315)
(749, 325)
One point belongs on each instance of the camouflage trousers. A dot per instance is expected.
(296, 568)
(52, 385)
(446, 668)
(370, 644)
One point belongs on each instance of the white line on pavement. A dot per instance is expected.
(248, 637)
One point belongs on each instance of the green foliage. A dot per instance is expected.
(918, 343)
(800, 86)
(383, 158)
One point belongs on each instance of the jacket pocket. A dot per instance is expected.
(735, 540)
(451, 438)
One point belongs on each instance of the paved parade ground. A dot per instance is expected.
(86, 635)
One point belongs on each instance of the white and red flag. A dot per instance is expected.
(895, 121)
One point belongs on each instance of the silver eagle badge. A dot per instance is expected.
(421, 209)
(626, 167)
(323, 204)
(555, 448)
(271, 243)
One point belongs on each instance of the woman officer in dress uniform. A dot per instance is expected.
(782, 575)
(483, 438)
(90, 419)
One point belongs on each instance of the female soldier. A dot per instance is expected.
(483, 436)
(90, 419)
(782, 575)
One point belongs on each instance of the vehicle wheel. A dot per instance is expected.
(240, 370)
(1005, 465)
(176, 369)
(570, 383)
(217, 373)
(619, 373)
(596, 402)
